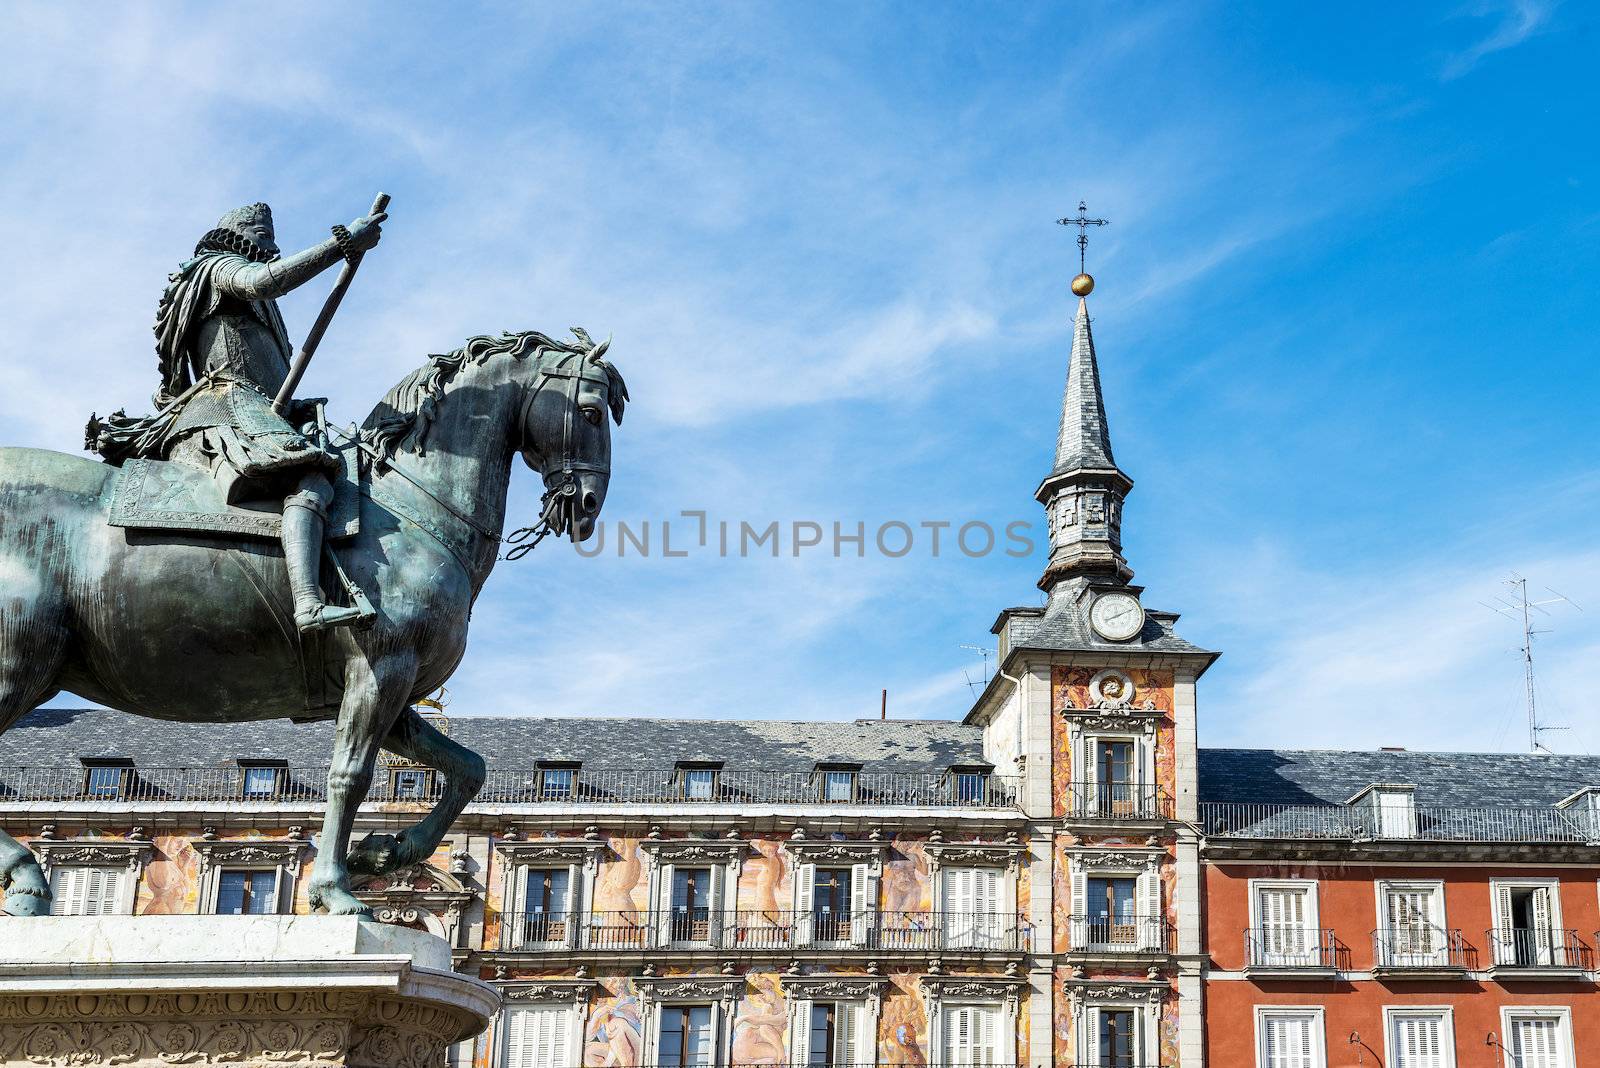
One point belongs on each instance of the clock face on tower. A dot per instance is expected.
(1116, 616)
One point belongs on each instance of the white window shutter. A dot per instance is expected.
(536, 1037)
(805, 886)
(720, 904)
(1288, 1041)
(664, 919)
(986, 906)
(1419, 1041)
(1536, 1042)
(85, 891)
(1543, 936)
(1505, 942)
(863, 903)
(800, 1033)
(844, 1034)
(1147, 909)
(1080, 907)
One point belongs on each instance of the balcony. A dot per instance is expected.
(1533, 953)
(1421, 952)
(1429, 823)
(1291, 952)
(514, 786)
(1099, 937)
(763, 931)
(1117, 803)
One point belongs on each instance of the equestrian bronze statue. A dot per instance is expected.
(232, 560)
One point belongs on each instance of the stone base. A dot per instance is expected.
(309, 991)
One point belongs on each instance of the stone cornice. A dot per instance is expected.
(725, 988)
(278, 852)
(1134, 990)
(565, 991)
(552, 850)
(943, 988)
(824, 850)
(835, 986)
(709, 850)
(991, 854)
(1119, 857)
(103, 852)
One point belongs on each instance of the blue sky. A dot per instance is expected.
(1345, 316)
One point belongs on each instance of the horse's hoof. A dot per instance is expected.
(337, 902)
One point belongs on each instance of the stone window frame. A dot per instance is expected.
(1311, 887)
(1086, 1000)
(131, 854)
(282, 856)
(574, 994)
(864, 858)
(579, 856)
(1560, 1013)
(1380, 893)
(722, 993)
(864, 992)
(1448, 1029)
(1319, 1029)
(1143, 864)
(663, 856)
(942, 992)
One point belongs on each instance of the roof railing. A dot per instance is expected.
(515, 786)
(1423, 823)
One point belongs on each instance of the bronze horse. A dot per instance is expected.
(191, 628)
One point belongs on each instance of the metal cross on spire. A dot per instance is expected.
(1082, 222)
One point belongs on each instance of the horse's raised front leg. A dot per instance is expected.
(374, 695)
(416, 739)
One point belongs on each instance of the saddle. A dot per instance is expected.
(167, 495)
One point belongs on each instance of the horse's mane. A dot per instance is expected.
(402, 418)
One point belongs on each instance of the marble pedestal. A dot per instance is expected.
(309, 991)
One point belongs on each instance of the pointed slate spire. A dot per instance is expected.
(1084, 491)
(1084, 440)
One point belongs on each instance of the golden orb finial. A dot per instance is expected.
(1083, 285)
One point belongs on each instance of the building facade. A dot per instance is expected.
(1063, 878)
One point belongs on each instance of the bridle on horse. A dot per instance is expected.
(557, 509)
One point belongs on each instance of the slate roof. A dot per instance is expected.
(60, 737)
(1084, 439)
(1332, 776)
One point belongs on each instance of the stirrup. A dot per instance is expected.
(326, 616)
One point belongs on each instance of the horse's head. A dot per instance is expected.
(566, 436)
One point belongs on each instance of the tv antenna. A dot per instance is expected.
(986, 654)
(1519, 608)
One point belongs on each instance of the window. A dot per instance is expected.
(831, 905)
(1117, 911)
(413, 784)
(1526, 926)
(834, 1036)
(1289, 1038)
(546, 903)
(1112, 919)
(1284, 933)
(969, 785)
(699, 782)
(1420, 1038)
(686, 1038)
(107, 780)
(1114, 778)
(971, 905)
(972, 1036)
(260, 781)
(1412, 933)
(78, 890)
(557, 782)
(247, 892)
(1116, 1039)
(690, 917)
(1537, 1038)
(537, 1036)
(838, 784)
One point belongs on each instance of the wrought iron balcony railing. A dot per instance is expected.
(1101, 801)
(763, 930)
(1290, 948)
(1421, 948)
(1537, 949)
(1134, 935)
(1426, 823)
(514, 786)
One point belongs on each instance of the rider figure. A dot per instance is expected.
(218, 329)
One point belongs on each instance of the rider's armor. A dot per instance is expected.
(225, 354)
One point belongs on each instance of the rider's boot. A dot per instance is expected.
(305, 513)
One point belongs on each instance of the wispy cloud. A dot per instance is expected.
(1515, 21)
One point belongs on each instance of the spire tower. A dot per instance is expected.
(1084, 491)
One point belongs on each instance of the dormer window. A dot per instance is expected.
(837, 782)
(969, 783)
(107, 778)
(1391, 809)
(558, 780)
(697, 781)
(261, 780)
